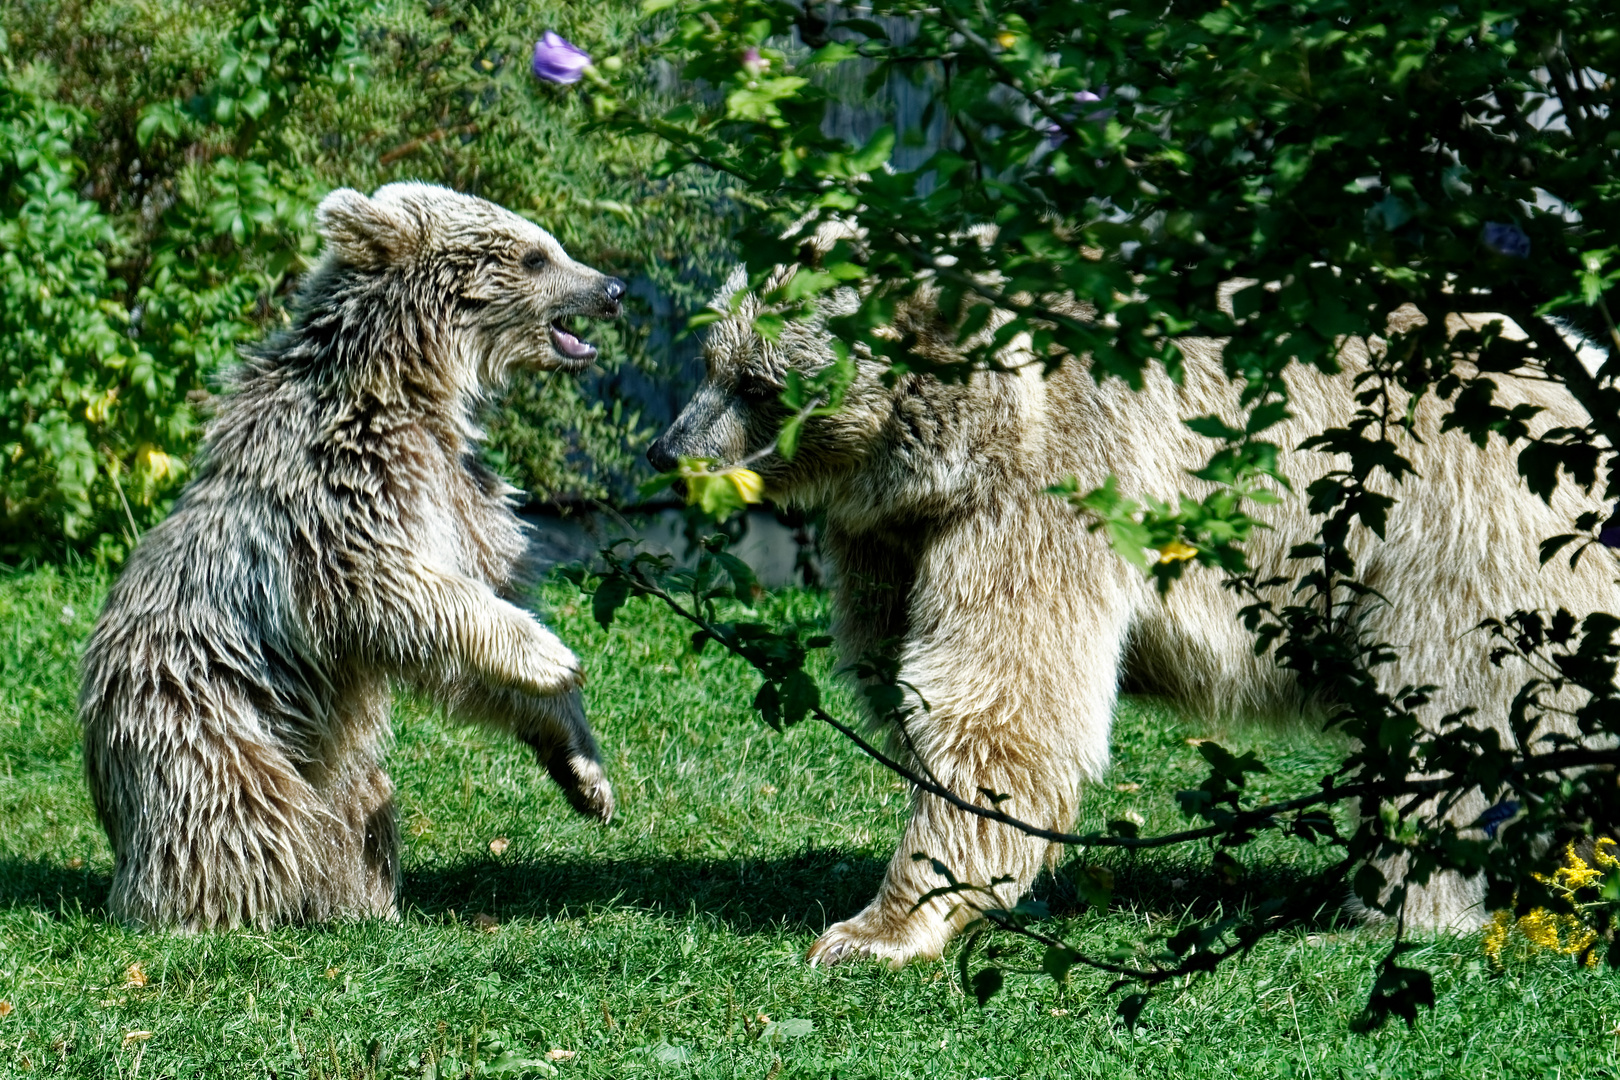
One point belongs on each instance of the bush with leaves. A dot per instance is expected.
(1344, 159)
(82, 403)
(195, 140)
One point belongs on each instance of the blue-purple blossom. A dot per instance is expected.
(1086, 96)
(1508, 240)
(559, 60)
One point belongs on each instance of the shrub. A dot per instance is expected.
(86, 411)
(1344, 159)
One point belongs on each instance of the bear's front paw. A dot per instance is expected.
(859, 938)
(554, 669)
(583, 784)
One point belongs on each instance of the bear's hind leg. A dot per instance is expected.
(210, 833)
(363, 881)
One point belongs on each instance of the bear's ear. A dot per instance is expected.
(727, 297)
(363, 232)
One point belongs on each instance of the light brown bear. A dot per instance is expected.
(340, 536)
(1016, 624)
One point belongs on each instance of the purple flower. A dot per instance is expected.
(1084, 97)
(558, 60)
(754, 63)
(1508, 240)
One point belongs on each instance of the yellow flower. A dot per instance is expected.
(1496, 936)
(1006, 39)
(1575, 874)
(1541, 927)
(1176, 551)
(749, 484)
(159, 466)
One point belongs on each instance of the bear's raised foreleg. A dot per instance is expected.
(449, 629)
(556, 728)
(491, 662)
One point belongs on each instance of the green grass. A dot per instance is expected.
(649, 947)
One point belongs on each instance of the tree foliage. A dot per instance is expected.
(1336, 161)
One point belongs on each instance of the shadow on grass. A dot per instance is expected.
(1185, 886)
(52, 888)
(812, 889)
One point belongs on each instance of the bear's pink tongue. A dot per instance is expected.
(570, 346)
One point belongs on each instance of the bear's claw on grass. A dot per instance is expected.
(842, 943)
(583, 784)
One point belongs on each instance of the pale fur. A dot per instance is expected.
(340, 537)
(1016, 624)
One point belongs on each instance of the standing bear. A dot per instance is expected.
(1016, 625)
(340, 535)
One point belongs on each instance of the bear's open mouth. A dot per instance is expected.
(568, 344)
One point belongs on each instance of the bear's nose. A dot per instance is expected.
(615, 289)
(659, 457)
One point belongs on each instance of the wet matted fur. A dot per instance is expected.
(340, 534)
(1016, 625)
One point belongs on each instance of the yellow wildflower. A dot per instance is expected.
(1565, 934)
(749, 484)
(1575, 874)
(1496, 936)
(1176, 551)
(158, 465)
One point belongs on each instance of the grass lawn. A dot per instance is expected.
(652, 946)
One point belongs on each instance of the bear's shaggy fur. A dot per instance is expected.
(1016, 625)
(340, 534)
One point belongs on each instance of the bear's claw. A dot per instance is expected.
(583, 784)
(850, 940)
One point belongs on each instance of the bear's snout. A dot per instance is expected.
(613, 289)
(659, 455)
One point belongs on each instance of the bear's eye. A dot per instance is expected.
(756, 390)
(534, 259)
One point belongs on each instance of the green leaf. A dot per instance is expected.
(1213, 427)
(256, 102)
(1263, 417)
(744, 584)
(769, 703)
(1057, 961)
(511, 1064)
(665, 1053)
(787, 443)
(800, 694)
(1095, 885)
(1130, 1008)
(610, 596)
(876, 151)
